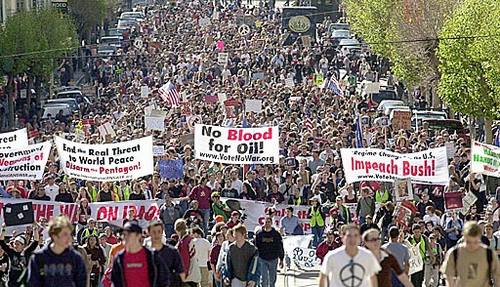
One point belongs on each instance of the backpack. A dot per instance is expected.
(489, 258)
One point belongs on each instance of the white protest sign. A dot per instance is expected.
(154, 123)
(24, 163)
(253, 106)
(403, 189)
(15, 139)
(138, 43)
(106, 162)
(485, 159)
(289, 83)
(372, 88)
(144, 91)
(450, 149)
(194, 120)
(468, 200)
(416, 263)
(204, 22)
(158, 150)
(429, 166)
(237, 145)
(255, 212)
(222, 97)
(222, 59)
(296, 248)
(106, 129)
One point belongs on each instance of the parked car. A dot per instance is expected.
(351, 44)
(71, 102)
(338, 26)
(387, 103)
(127, 24)
(138, 16)
(418, 116)
(106, 51)
(114, 41)
(75, 94)
(451, 125)
(388, 94)
(51, 111)
(338, 35)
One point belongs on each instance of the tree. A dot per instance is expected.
(404, 31)
(29, 43)
(470, 66)
(88, 14)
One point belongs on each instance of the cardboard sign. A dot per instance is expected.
(24, 163)
(106, 162)
(429, 166)
(15, 139)
(416, 263)
(222, 59)
(401, 120)
(144, 91)
(485, 159)
(403, 189)
(158, 150)
(253, 106)
(468, 201)
(154, 123)
(237, 145)
(171, 169)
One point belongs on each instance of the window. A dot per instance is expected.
(20, 5)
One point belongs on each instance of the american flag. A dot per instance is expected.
(333, 84)
(307, 124)
(169, 93)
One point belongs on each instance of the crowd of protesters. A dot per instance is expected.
(199, 240)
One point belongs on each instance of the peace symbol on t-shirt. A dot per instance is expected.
(352, 274)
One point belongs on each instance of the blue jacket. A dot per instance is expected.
(49, 269)
(253, 273)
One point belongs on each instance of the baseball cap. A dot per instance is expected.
(132, 226)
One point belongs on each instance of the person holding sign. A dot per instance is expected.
(387, 261)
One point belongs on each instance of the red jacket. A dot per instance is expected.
(324, 248)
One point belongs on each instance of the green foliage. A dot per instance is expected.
(470, 68)
(88, 14)
(387, 25)
(28, 33)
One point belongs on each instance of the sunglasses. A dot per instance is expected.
(373, 239)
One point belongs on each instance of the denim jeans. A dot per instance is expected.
(268, 270)
(206, 218)
(318, 234)
(169, 230)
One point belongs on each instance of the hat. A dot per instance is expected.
(132, 226)
(20, 239)
(215, 194)
(219, 218)
(235, 213)
(334, 210)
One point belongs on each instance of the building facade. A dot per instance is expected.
(11, 7)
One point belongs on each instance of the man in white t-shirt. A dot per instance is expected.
(202, 252)
(349, 265)
(51, 189)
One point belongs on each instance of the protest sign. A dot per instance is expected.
(429, 166)
(106, 162)
(403, 189)
(253, 106)
(187, 139)
(371, 87)
(18, 213)
(222, 97)
(401, 120)
(144, 91)
(289, 83)
(24, 163)
(255, 212)
(485, 159)
(416, 263)
(222, 59)
(15, 139)
(194, 120)
(298, 253)
(204, 22)
(210, 99)
(306, 40)
(171, 169)
(258, 76)
(106, 129)
(46, 209)
(115, 213)
(453, 200)
(158, 150)
(154, 123)
(237, 145)
(468, 200)
(450, 149)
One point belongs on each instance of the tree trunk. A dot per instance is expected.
(10, 94)
(472, 128)
(488, 131)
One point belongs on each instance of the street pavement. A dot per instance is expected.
(298, 279)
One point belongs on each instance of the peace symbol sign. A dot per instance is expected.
(352, 274)
(244, 29)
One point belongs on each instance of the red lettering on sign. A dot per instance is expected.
(241, 135)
